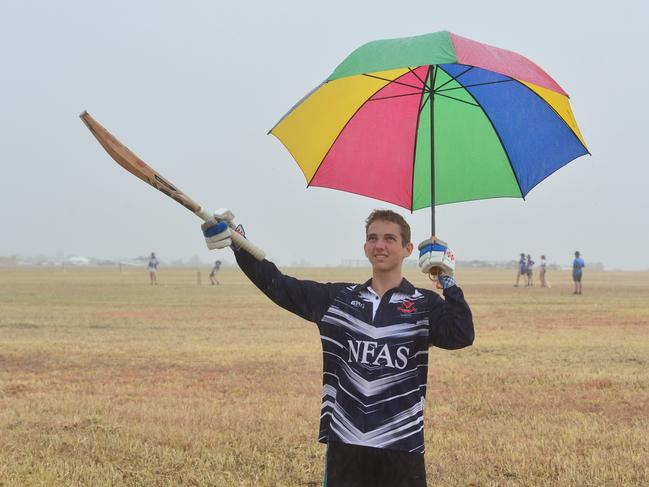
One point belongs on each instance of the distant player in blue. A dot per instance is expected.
(577, 270)
(529, 268)
(522, 269)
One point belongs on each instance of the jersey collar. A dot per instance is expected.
(404, 287)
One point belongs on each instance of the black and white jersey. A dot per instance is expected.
(375, 351)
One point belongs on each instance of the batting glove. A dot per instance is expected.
(437, 260)
(218, 229)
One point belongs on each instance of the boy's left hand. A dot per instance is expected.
(435, 258)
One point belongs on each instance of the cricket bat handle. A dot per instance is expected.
(237, 239)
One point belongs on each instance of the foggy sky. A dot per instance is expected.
(193, 87)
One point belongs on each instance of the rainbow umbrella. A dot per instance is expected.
(430, 120)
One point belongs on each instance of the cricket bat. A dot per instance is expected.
(136, 166)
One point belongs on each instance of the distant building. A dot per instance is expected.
(77, 260)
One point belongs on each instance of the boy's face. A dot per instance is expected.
(384, 246)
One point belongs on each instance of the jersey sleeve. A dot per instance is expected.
(307, 299)
(451, 321)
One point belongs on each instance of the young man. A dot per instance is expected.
(529, 266)
(578, 265)
(542, 270)
(375, 338)
(522, 269)
(213, 273)
(152, 266)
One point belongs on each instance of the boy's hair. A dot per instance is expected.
(390, 216)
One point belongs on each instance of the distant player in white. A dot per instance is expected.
(543, 268)
(529, 270)
(153, 269)
(215, 270)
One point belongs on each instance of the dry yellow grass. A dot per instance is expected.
(105, 380)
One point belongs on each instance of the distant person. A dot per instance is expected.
(153, 269)
(542, 268)
(214, 272)
(577, 270)
(529, 271)
(522, 268)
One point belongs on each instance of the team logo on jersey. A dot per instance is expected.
(407, 307)
(376, 354)
(357, 304)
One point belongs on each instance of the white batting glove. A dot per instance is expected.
(436, 259)
(218, 230)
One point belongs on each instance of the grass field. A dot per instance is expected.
(105, 380)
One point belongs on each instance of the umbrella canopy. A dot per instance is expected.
(430, 120)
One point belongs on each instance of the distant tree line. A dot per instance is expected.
(196, 261)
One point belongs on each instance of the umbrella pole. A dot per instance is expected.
(432, 71)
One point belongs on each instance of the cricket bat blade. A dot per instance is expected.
(140, 169)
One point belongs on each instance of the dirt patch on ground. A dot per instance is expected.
(20, 325)
(143, 315)
(16, 389)
(32, 363)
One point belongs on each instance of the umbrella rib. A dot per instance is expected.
(395, 96)
(502, 144)
(425, 101)
(392, 81)
(477, 84)
(454, 78)
(423, 82)
(458, 99)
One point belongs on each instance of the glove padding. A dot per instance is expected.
(218, 229)
(437, 260)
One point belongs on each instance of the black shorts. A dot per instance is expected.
(361, 466)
